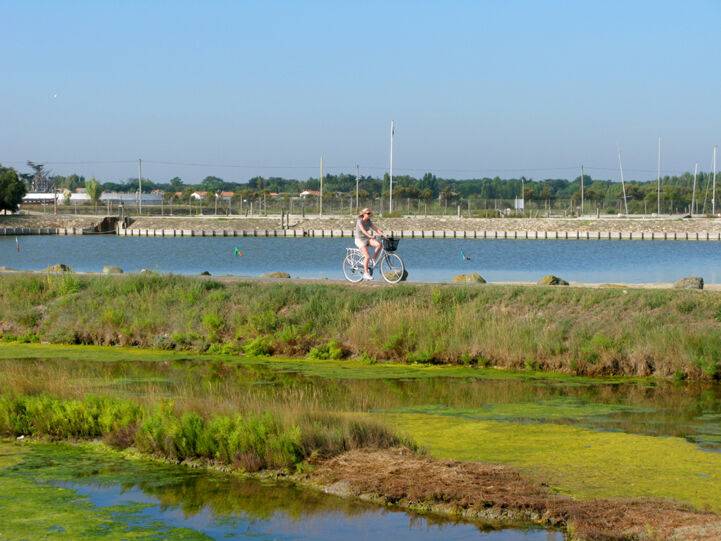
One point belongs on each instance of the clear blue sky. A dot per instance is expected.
(244, 88)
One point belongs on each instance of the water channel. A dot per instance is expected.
(496, 260)
(102, 495)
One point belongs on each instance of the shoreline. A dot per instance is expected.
(331, 281)
(646, 228)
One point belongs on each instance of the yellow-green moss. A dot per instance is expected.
(580, 462)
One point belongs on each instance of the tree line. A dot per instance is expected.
(428, 187)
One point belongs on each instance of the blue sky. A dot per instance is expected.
(238, 89)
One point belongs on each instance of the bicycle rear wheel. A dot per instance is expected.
(392, 268)
(353, 268)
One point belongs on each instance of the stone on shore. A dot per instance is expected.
(469, 278)
(689, 283)
(551, 280)
(112, 269)
(275, 275)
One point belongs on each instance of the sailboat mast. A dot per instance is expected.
(623, 184)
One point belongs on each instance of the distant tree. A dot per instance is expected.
(177, 183)
(94, 190)
(39, 182)
(212, 184)
(12, 190)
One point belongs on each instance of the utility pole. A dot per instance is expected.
(390, 206)
(693, 193)
(140, 187)
(658, 182)
(582, 190)
(713, 201)
(357, 178)
(320, 208)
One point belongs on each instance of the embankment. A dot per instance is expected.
(620, 331)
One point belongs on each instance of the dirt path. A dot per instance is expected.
(495, 493)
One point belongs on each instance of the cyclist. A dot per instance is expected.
(364, 230)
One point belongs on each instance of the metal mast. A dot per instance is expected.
(390, 206)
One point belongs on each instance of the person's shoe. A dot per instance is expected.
(367, 276)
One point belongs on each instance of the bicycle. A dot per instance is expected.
(390, 263)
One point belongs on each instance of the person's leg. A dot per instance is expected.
(377, 246)
(366, 255)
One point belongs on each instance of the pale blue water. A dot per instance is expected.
(426, 259)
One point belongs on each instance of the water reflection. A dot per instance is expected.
(690, 410)
(223, 506)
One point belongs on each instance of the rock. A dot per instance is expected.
(4, 268)
(469, 278)
(551, 280)
(275, 275)
(112, 269)
(147, 271)
(205, 273)
(59, 267)
(689, 283)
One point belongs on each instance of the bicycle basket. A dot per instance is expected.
(390, 244)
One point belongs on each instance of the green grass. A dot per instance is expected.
(574, 330)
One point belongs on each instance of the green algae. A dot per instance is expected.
(577, 461)
(33, 507)
(559, 409)
(334, 369)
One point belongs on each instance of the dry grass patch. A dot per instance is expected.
(495, 492)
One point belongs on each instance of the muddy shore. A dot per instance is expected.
(499, 494)
(438, 223)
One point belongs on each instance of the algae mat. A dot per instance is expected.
(34, 509)
(578, 461)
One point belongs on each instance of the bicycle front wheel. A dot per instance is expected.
(392, 268)
(353, 268)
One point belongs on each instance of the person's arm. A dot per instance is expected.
(377, 230)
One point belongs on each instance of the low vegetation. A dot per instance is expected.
(633, 332)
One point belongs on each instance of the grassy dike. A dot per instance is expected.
(582, 331)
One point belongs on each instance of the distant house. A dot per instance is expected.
(198, 195)
(226, 196)
(309, 193)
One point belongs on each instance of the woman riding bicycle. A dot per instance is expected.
(364, 230)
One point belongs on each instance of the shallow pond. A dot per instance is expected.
(71, 492)
(426, 259)
(589, 438)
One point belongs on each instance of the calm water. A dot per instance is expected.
(426, 259)
(154, 501)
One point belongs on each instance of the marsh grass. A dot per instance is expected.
(574, 330)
